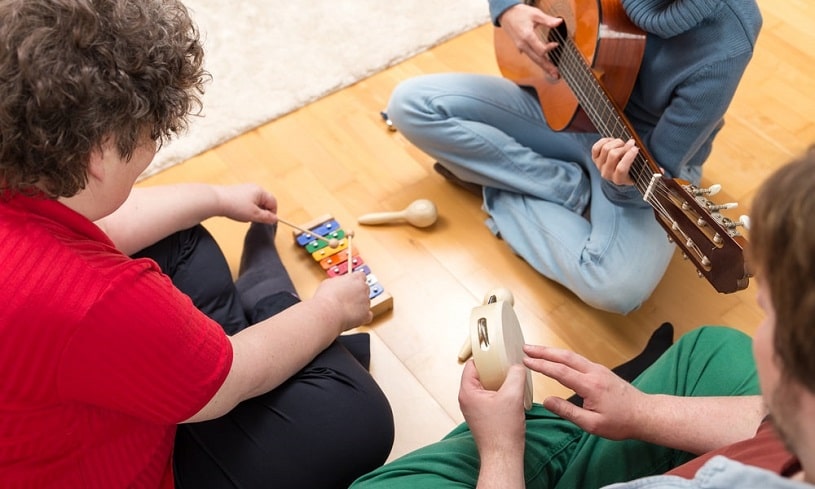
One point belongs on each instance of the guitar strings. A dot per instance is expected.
(568, 56)
(598, 108)
(575, 60)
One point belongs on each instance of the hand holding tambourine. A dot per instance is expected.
(496, 341)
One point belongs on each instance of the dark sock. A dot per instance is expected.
(660, 341)
(451, 177)
(261, 272)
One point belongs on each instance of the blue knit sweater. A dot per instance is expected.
(696, 52)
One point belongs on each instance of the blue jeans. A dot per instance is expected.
(538, 186)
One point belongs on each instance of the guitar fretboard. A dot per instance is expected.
(600, 109)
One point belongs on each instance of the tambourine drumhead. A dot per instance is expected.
(497, 342)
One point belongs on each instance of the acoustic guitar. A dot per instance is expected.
(598, 57)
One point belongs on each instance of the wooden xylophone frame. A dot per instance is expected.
(334, 261)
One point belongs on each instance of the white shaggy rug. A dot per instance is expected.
(270, 57)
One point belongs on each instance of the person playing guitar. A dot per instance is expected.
(602, 120)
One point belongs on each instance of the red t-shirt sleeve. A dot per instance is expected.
(145, 350)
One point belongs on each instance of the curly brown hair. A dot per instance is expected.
(782, 247)
(77, 73)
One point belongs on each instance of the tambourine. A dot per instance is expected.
(496, 341)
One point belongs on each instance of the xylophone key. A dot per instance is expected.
(325, 251)
(342, 268)
(325, 227)
(318, 244)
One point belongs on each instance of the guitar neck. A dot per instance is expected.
(607, 117)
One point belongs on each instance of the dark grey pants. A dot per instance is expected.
(324, 427)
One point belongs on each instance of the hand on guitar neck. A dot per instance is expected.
(614, 158)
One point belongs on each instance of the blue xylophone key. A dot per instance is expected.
(376, 290)
(321, 230)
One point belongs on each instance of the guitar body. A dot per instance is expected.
(604, 35)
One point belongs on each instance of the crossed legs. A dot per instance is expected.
(323, 428)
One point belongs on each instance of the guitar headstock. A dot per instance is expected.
(706, 237)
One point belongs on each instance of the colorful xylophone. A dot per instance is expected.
(335, 260)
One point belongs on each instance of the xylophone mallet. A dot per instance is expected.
(349, 235)
(332, 243)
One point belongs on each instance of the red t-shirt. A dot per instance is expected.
(764, 450)
(101, 356)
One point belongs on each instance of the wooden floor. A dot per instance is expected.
(336, 157)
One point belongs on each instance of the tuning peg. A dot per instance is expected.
(743, 221)
(718, 207)
(712, 190)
